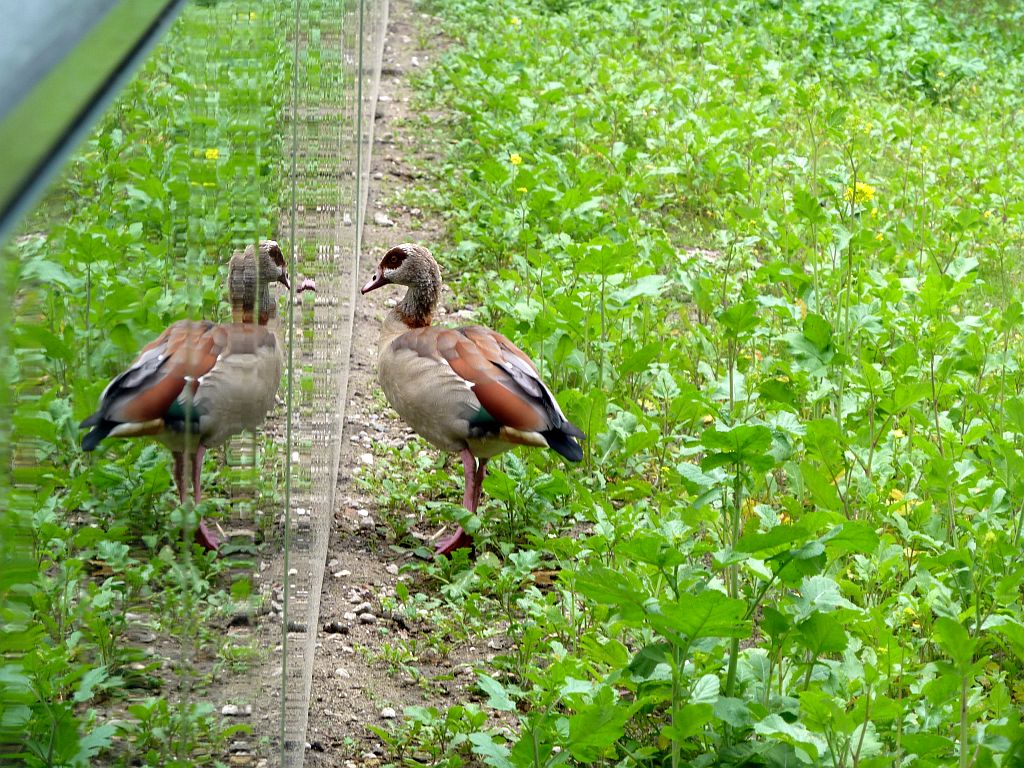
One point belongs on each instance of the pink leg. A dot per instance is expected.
(470, 499)
(197, 470)
(179, 474)
(207, 539)
(469, 470)
(478, 483)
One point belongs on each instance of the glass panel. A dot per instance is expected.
(124, 638)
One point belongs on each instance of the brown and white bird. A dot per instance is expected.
(467, 390)
(199, 382)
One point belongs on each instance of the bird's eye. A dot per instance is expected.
(393, 259)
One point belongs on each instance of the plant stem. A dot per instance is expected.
(963, 722)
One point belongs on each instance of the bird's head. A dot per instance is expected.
(406, 264)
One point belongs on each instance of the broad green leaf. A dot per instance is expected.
(691, 721)
(733, 711)
(497, 696)
(745, 445)
(692, 473)
(780, 535)
(953, 638)
(648, 286)
(597, 726)
(820, 633)
(852, 536)
(653, 549)
(493, 754)
(823, 491)
(739, 318)
(819, 593)
(824, 441)
(817, 331)
(649, 657)
(924, 744)
(705, 690)
(778, 392)
(795, 734)
(706, 614)
(92, 678)
(608, 587)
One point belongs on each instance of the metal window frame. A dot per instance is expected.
(62, 62)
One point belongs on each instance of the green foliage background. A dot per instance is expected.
(767, 252)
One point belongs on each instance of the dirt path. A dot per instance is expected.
(359, 679)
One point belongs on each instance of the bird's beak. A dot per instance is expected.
(376, 281)
(283, 280)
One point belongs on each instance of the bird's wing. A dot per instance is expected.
(502, 377)
(148, 389)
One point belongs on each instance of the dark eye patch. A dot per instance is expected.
(393, 259)
(276, 255)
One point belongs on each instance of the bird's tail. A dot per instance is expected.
(100, 429)
(564, 440)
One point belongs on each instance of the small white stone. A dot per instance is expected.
(388, 713)
(342, 672)
(366, 459)
(293, 571)
(367, 618)
(295, 457)
(392, 569)
(348, 616)
(381, 219)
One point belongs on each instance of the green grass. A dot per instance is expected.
(767, 254)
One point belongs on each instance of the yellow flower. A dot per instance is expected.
(252, 15)
(515, 21)
(897, 432)
(896, 495)
(859, 193)
(990, 537)
(874, 212)
(708, 419)
(802, 306)
(522, 190)
(879, 236)
(942, 74)
(515, 158)
(212, 153)
(867, 127)
(987, 214)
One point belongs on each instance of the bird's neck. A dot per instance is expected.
(416, 309)
(250, 309)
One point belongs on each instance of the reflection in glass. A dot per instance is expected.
(121, 641)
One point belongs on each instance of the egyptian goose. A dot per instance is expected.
(199, 382)
(468, 390)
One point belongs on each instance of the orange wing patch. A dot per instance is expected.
(189, 350)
